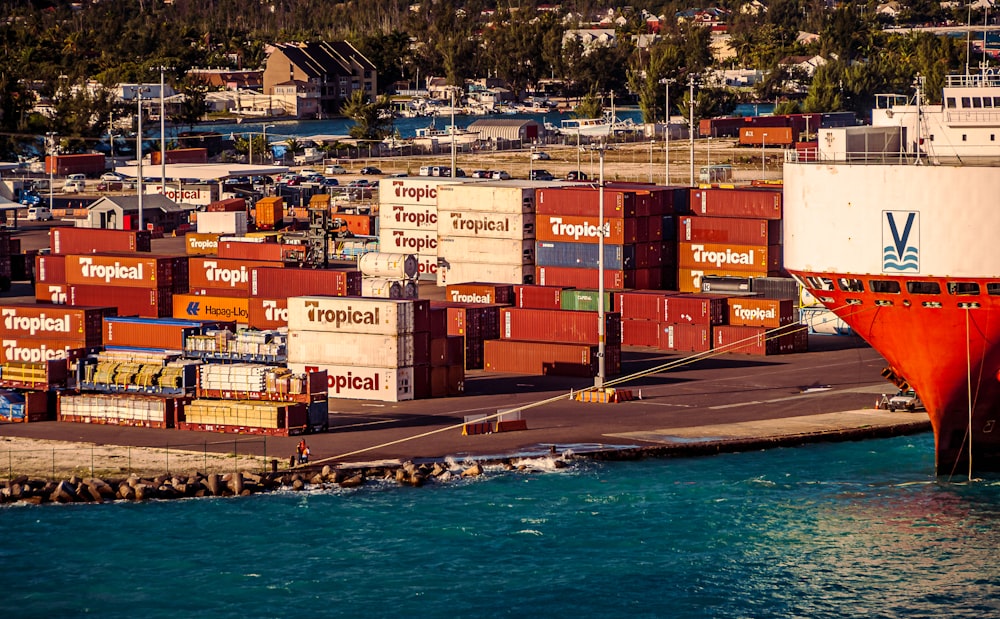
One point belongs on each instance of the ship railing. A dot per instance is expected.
(976, 80)
(814, 155)
(986, 118)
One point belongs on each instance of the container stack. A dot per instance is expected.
(138, 286)
(270, 288)
(475, 323)
(408, 220)
(219, 290)
(371, 349)
(388, 276)
(731, 232)
(486, 233)
(634, 249)
(753, 327)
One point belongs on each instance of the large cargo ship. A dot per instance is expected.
(893, 227)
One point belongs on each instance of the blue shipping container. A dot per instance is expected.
(583, 255)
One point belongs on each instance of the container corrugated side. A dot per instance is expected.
(201, 244)
(119, 271)
(364, 383)
(729, 230)
(480, 292)
(408, 217)
(395, 241)
(60, 322)
(584, 278)
(37, 350)
(744, 340)
(737, 202)
(150, 303)
(351, 315)
(685, 338)
(584, 300)
(573, 229)
(50, 269)
(584, 255)
(362, 349)
(266, 252)
(641, 304)
(761, 312)
(564, 326)
(206, 307)
(487, 197)
(485, 225)
(640, 333)
(585, 202)
(752, 259)
(546, 358)
(538, 297)
(696, 309)
(277, 282)
(146, 333)
(51, 293)
(267, 314)
(64, 240)
(500, 251)
(222, 223)
(205, 272)
(464, 272)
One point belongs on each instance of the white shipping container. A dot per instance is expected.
(385, 288)
(408, 217)
(486, 225)
(427, 268)
(364, 383)
(500, 251)
(420, 242)
(350, 315)
(415, 191)
(234, 223)
(363, 349)
(397, 266)
(486, 197)
(465, 272)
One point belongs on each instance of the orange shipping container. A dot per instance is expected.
(269, 213)
(768, 136)
(753, 259)
(760, 312)
(223, 273)
(268, 313)
(227, 205)
(363, 225)
(202, 307)
(121, 271)
(50, 293)
(573, 229)
(201, 244)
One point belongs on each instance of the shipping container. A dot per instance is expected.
(479, 224)
(229, 205)
(51, 293)
(690, 280)
(222, 223)
(746, 202)
(361, 225)
(207, 307)
(557, 326)
(584, 278)
(142, 411)
(584, 202)
(729, 230)
(584, 255)
(340, 348)
(775, 287)
(120, 271)
(696, 309)
(38, 350)
(728, 127)
(447, 350)
(408, 217)
(64, 165)
(744, 340)
(397, 266)
(75, 324)
(64, 240)
(487, 197)
(269, 213)
(749, 259)
(363, 383)
(641, 304)
(573, 229)
(354, 315)
(546, 358)
(464, 272)
(640, 333)
(478, 292)
(275, 283)
(498, 251)
(50, 269)
(584, 300)
(267, 313)
(159, 333)
(685, 338)
(197, 244)
(209, 272)
(538, 297)
(151, 303)
(427, 268)
(473, 320)
(180, 155)
(258, 250)
(423, 242)
(768, 136)
(760, 312)
(411, 191)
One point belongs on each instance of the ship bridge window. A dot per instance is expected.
(923, 287)
(977, 102)
(951, 102)
(996, 101)
(966, 102)
(987, 101)
(820, 283)
(884, 286)
(963, 288)
(993, 289)
(850, 285)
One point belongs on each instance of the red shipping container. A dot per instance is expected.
(547, 358)
(569, 277)
(266, 314)
(685, 338)
(744, 202)
(537, 297)
(448, 350)
(695, 309)
(471, 319)
(640, 333)
(37, 350)
(437, 319)
(229, 205)
(744, 340)
(264, 251)
(54, 322)
(362, 225)
(568, 326)
(218, 292)
(151, 303)
(212, 272)
(120, 271)
(760, 312)
(50, 269)
(51, 293)
(648, 255)
(181, 155)
(273, 283)
(574, 229)
(476, 292)
(648, 278)
(64, 165)
(97, 240)
(584, 201)
(751, 259)
(148, 333)
(641, 304)
(729, 230)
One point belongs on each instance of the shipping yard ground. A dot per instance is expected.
(720, 403)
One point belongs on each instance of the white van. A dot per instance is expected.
(75, 183)
(334, 169)
(39, 213)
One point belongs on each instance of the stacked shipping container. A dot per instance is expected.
(408, 220)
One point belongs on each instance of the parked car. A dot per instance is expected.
(30, 198)
(500, 175)
(369, 169)
(110, 186)
(540, 156)
(541, 175)
(361, 182)
(482, 174)
(329, 182)
(74, 185)
(39, 213)
(112, 177)
(573, 175)
(334, 169)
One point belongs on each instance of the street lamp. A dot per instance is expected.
(651, 143)
(264, 129)
(163, 138)
(763, 140)
(452, 90)
(50, 138)
(531, 161)
(138, 90)
(601, 335)
(666, 133)
(691, 123)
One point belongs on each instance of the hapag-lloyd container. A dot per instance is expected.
(585, 202)
(538, 297)
(201, 244)
(499, 251)
(354, 315)
(485, 225)
(275, 283)
(211, 307)
(90, 240)
(267, 314)
(460, 272)
(338, 348)
(574, 229)
(424, 242)
(567, 277)
(417, 191)
(751, 259)
(54, 322)
(207, 272)
(51, 293)
(148, 302)
(397, 266)
(557, 326)
(408, 217)
(729, 230)
(547, 358)
(132, 332)
(745, 340)
(487, 197)
(743, 202)
(120, 271)
(37, 350)
(364, 383)
(584, 255)
(640, 333)
(50, 269)
(479, 292)
(385, 288)
(685, 338)
(696, 309)
(760, 312)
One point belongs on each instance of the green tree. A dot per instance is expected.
(371, 120)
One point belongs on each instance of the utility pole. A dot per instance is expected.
(138, 90)
(163, 138)
(691, 123)
(50, 138)
(601, 334)
(666, 133)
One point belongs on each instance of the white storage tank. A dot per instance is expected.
(397, 266)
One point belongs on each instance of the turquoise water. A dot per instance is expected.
(851, 529)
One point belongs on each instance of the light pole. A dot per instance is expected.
(708, 156)
(601, 335)
(452, 89)
(51, 139)
(531, 161)
(163, 138)
(651, 144)
(691, 123)
(763, 140)
(666, 132)
(138, 90)
(264, 129)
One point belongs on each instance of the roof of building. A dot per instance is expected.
(322, 59)
(150, 202)
(501, 122)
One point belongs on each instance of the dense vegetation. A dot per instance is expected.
(51, 45)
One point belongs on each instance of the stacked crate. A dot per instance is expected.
(270, 288)
(136, 285)
(730, 232)
(36, 333)
(486, 233)
(408, 220)
(669, 321)
(758, 326)
(219, 290)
